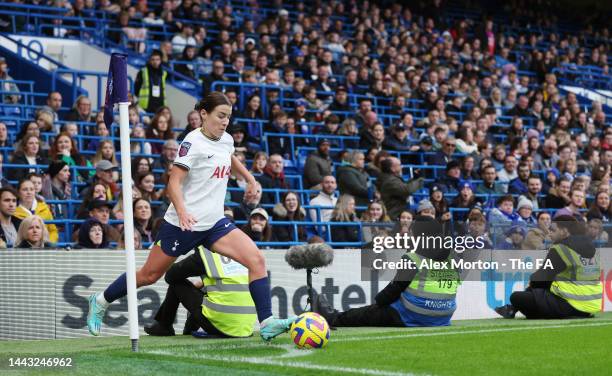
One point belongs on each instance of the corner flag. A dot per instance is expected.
(117, 92)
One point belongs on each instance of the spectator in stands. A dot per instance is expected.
(577, 202)
(37, 180)
(159, 129)
(217, 74)
(100, 209)
(340, 103)
(258, 227)
(349, 128)
(318, 164)
(53, 105)
(289, 210)
(354, 180)
(273, 178)
(143, 222)
(44, 119)
(142, 146)
(28, 206)
(260, 160)
(398, 139)
(8, 86)
(465, 141)
(145, 184)
(501, 218)
(445, 155)
(508, 172)
(64, 148)
(534, 187)
(104, 175)
(375, 158)
(371, 221)
(468, 171)
(344, 212)
(440, 204)
(514, 238)
(254, 113)
(137, 241)
(150, 84)
(451, 178)
(4, 142)
(187, 67)
(524, 208)
(32, 233)
(141, 165)
(28, 154)
(403, 224)
(559, 195)
(183, 40)
(81, 111)
(57, 187)
(279, 144)
(325, 198)
(547, 157)
(537, 237)
(92, 235)
(394, 190)
(519, 185)
(9, 224)
(249, 202)
(465, 199)
(168, 155)
(489, 182)
(106, 150)
(373, 136)
(601, 207)
(194, 121)
(93, 193)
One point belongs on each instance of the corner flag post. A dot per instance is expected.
(117, 92)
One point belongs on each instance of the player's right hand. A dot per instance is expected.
(186, 221)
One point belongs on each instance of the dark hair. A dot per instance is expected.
(571, 224)
(11, 190)
(385, 165)
(211, 101)
(505, 198)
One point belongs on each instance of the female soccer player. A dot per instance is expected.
(197, 187)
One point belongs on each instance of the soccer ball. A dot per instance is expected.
(310, 331)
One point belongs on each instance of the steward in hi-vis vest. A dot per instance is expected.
(417, 296)
(150, 85)
(222, 307)
(569, 282)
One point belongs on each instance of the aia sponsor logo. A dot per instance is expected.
(222, 172)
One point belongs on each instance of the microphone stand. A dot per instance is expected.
(310, 298)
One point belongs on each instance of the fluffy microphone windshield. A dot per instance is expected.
(309, 256)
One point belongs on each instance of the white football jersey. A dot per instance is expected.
(209, 164)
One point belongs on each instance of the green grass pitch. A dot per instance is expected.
(472, 347)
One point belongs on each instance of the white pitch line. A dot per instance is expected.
(272, 362)
(479, 331)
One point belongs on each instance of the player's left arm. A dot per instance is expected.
(239, 169)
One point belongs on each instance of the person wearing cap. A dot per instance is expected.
(452, 177)
(104, 176)
(524, 208)
(150, 84)
(241, 144)
(568, 284)
(395, 192)
(437, 199)
(100, 210)
(258, 227)
(340, 102)
(318, 164)
(465, 199)
(502, 217)
(398, 139)
(514, 238)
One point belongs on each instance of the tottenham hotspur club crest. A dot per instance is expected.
(176, 243)
(184, 149)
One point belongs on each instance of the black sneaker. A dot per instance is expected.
(507, 311)
(190, 325)
(159, 330)
(323, 308)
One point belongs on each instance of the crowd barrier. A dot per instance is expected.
(43, 293)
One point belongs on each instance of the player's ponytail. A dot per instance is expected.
(212, 100)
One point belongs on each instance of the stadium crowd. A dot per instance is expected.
(409, 113)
